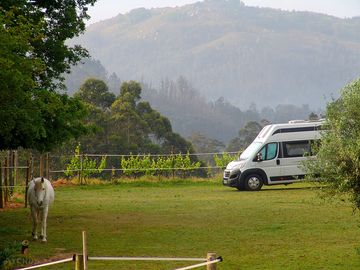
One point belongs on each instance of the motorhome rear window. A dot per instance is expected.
(296, 148)
(296, 129)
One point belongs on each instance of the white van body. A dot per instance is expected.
(274, 157)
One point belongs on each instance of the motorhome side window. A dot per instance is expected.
(296, 149)
(269, 151)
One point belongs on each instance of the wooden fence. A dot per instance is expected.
(81, 260)
(17, 171)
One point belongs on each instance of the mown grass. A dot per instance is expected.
(277, 228)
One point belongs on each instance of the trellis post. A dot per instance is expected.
(80, 171)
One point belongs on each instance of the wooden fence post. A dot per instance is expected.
(16, 165)
(10, 172)
(85, 251)
(48, 166)
(31, 166)
(173, 162)
(1, 188)
(6, 183)
(28, 169)
(79, 262)
(41, 173)
(210, 257)
(81, 169)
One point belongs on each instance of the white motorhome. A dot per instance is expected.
(274, 157)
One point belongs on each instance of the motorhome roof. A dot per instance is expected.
(291, 127)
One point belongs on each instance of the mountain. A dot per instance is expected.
(245, 54)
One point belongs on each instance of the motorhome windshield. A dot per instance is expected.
(250, 150)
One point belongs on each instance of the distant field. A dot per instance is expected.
(277, 228)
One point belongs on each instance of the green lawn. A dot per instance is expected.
(277, 228)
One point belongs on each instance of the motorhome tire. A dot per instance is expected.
(253, 182)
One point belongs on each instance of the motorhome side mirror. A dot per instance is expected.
(259, 157)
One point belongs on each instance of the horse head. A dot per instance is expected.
(40, 191)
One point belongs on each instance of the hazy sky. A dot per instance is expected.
(105, 9)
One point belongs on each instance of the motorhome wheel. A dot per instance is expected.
(253, 182)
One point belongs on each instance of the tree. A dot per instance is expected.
(98, 100)
(338, 158)
(235, 145)
(129, 125)
(57, 22)
(96, 92)
(17, 77)
(158, 124)
(41, 122)
(203, 144)
(246, 135)
(313, 116)
(114, 82)
(62, 119)
(126, 118)
(33, 55)
(130, 92)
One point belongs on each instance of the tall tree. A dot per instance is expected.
(338, 157)
(59, 20)
(125, 116)
(18, 69)
(96, 92)
(33, 55)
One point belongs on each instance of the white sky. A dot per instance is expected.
(105, 9)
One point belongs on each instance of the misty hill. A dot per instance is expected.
(245, 54)
(190, 112)
(90, 68)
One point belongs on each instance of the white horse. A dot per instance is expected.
(40, 196)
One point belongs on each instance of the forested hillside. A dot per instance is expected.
(188, 110)
(245, 54)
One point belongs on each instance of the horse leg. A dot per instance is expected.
(43, 217)
(34, 222)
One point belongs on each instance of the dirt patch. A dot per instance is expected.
(12, 205)
(56, 257)
(62, 183)
(16, 201)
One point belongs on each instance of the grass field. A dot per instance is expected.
(277, 228)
